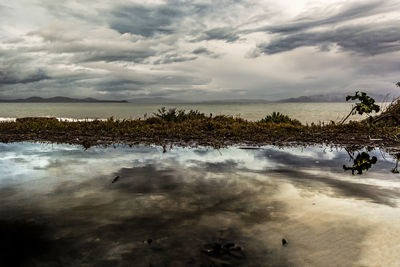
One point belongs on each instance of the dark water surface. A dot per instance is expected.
(197, 206)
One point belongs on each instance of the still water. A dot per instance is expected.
(305, 112)
(137, 206)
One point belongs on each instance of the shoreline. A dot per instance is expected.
(220, 131)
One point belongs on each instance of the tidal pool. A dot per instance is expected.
(137, 206)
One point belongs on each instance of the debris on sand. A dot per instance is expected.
(115, 179)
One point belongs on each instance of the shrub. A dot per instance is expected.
(175, 115)
(278, 118)
(367, 105)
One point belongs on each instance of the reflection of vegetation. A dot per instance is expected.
(367, 105)
(395, 170)
(362, 162)
(277, 117)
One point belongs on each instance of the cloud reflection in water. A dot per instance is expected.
(189, 197)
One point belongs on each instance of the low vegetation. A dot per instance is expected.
(194, 128)
(391, 115)
(178, 115)
(277, 117)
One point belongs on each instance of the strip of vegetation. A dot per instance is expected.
(189, 129)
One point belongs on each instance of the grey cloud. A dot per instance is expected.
(110, 56)
(91, 50)
(227, 34)
(347, 13)
(201, 50)
(171, 17)
(142, 20)
(9, 77)
(205, 51)
(115, 84)
(366, 40)
(174, 58)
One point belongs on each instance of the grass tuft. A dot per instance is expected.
(279, 118)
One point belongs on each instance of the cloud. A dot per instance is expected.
(98, 45)
(349, 28)
(174, 58)
(144, 20)
(227, 34)
(367, 40)
(346, 13)
(9, 77)
(205, 51)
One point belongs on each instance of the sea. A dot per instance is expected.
(304, 112)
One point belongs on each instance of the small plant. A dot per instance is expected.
(178, 115)
(278, 118)
(367, 105)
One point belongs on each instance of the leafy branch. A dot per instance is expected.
(367, 105)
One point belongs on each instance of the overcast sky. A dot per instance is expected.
(199, 49)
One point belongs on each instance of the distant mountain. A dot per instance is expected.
(60, 99)
(330, 98)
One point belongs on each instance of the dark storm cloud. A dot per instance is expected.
(347, 13)
(367, 40)
(10, 78)
(145, 21)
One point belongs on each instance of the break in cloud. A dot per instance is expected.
(197, 49)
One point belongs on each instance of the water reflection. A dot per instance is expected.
(362, 162)
(195, 207)
(395, 170)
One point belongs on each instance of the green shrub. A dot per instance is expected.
(367, 105)
(175, 115)
(278, 118)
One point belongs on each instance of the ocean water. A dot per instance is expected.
(62, 205)
(305, 112)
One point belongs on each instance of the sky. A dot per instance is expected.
(198, 50)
